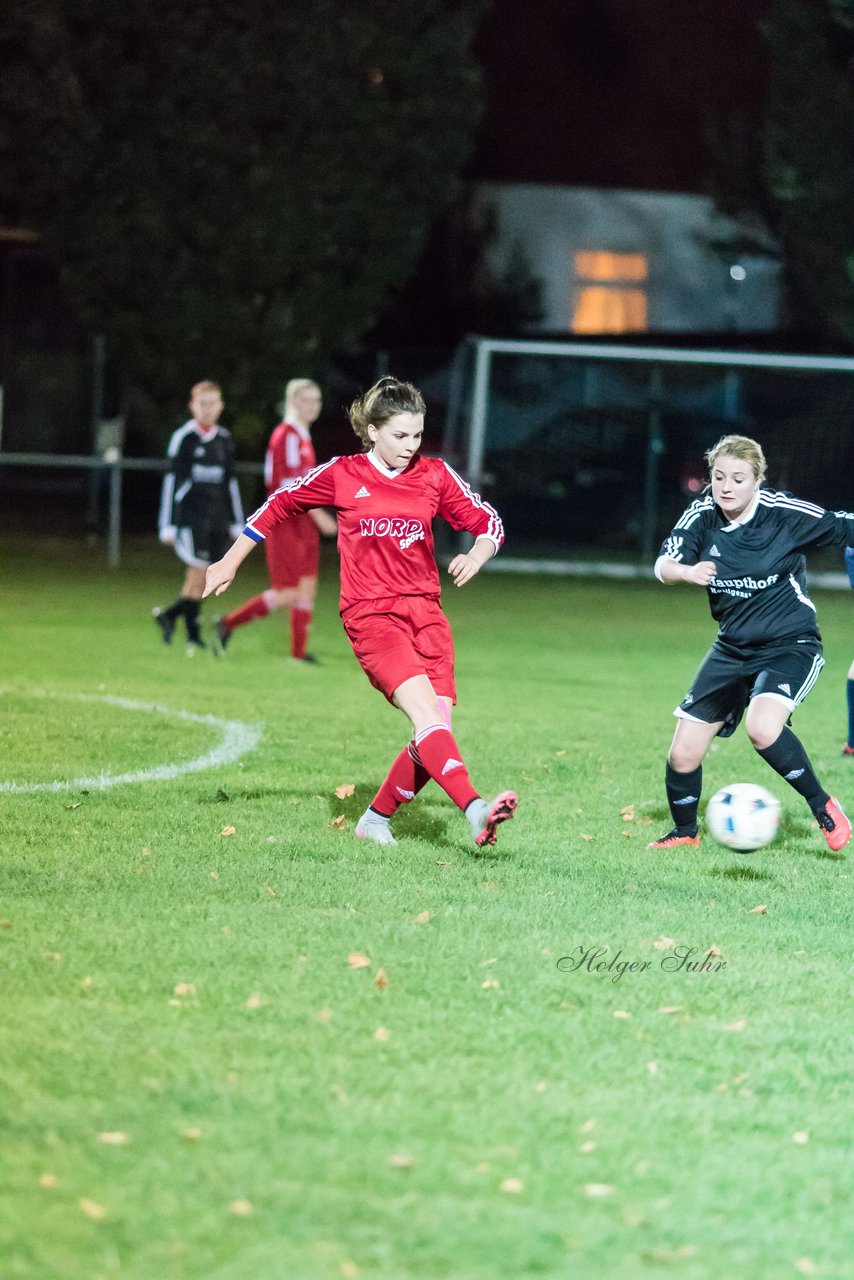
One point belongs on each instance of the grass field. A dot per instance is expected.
(241, 1045)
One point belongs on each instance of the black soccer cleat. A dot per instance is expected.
(165, 622)
(222, 635)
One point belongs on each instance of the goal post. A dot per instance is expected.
(590, 450)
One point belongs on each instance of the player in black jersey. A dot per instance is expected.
(745, 545)
(848, 749)
(200, 508)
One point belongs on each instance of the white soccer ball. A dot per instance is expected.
(743, 816)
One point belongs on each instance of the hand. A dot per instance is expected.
(462, 569)
(167, 537)
(218, 577)
(701, 574)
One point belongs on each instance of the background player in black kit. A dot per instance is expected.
(745, 544)
(200, 508)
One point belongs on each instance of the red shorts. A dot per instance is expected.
(397, 637)
(293, 552)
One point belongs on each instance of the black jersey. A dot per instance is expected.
(759, 594)
(201, 484)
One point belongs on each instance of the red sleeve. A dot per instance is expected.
(317, 489)
(465, 509)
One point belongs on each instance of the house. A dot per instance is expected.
(632, 262)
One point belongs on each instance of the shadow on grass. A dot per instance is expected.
(744, 873)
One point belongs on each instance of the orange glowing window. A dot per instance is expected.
(607, 296)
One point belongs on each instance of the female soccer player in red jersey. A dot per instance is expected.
(745, 544)
(386, 498)
(293, 549)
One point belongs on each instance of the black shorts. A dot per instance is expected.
(202, 542)
(728, 679)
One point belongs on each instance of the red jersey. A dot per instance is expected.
(290, 454)
(385, 535)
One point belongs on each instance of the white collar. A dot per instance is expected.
(388, 472)
(300, 428)
(745, 517)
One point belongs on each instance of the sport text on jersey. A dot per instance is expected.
(406, 531)
(742, 587)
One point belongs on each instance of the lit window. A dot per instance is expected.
(607, 296)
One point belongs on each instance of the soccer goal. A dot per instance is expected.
(590, 451)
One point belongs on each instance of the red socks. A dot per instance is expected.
(300, 625)
(257, 607)
(440, 756)
(405, 779)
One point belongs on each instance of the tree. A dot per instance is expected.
(233, 188)
(794, 165)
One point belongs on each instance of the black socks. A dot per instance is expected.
(683, 796)
(787, 757)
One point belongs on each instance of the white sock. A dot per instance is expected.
(374, 826)
(476, 813)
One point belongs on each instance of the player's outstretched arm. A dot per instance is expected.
(463, 567)
(700, 575)
(220, 575)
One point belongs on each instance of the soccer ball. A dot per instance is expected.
(743, 816)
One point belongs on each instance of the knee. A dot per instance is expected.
(761, 732)
(684, 759)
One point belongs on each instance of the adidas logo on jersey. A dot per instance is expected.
(786, 688)
(713, 551)
(407, 795)
(363, 493)
(450, 764)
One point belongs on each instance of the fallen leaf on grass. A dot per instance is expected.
(323, 1015)
(736, 1026)
(670, 1008)
(806, 1267)
(113, 1138)
(598, 1190)
(586, 1147)
(627, 813)
(191, 1135)
(488, 884)
(184, 989)
(47, 1179)
(761, 910)
(484, 964)
(272, 891)
(382, 1033)
(620, 1013)
(359, 961)
(242, 1208)
(51, 955)
(584, 836)
(652, 1068)
(541, 1086)
(401, 1161)
(5, 924)
(349, 1269)
(663, 943)
(93, 1210)
(490, 984)
(561, 753)
(422, 918)
(214, 875)
(512, 1186)
(76, 805)
(587, 1127)
(228, 831)
(666, 1255)
(256, 1001)
(801, 1137)
(381, 979)
(337, 824)
(346, 789)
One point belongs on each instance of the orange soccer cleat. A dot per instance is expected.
(834, 824)
(674, 839)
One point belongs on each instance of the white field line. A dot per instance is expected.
(237, 739)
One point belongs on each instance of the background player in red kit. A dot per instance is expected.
(386, 499)
(293, 549)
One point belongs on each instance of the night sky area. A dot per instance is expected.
(613, 93)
